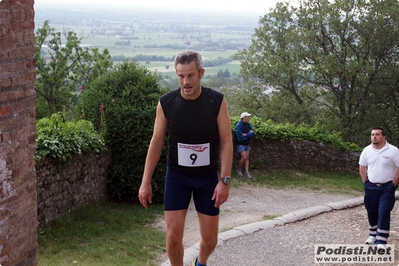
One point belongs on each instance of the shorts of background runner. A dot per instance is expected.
(242, 148)
(179, 188)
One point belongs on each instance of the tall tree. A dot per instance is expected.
(62, 68)
(339, 55)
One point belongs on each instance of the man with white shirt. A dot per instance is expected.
(379, 170)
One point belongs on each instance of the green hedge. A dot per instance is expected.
(122, 104)
(283, 132)
(57, 138)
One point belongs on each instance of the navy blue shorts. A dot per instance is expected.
(242, 148)
(179, 188)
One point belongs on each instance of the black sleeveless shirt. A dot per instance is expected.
(194, 141)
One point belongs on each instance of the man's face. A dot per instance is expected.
(377, 137)
(189, 80)
(246, 119)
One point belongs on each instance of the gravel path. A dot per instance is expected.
(288, 244)
(293, 243)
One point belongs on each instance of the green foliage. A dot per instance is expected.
(57, 138)
(284, 132)
(336, 59)
(62, 68)
(128, 96)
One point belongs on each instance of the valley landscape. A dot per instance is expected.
(154, 36)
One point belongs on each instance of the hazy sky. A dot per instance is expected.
(258, 7)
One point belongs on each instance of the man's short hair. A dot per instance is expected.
(188, 56)
(379, 128)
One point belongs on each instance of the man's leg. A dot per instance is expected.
(387, 201)
(175, 221)
(209, 226)
(246, 161)
(242, 159)
(371, 202)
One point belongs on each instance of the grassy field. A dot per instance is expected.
(138, 48)
(121, 234)
(328, 182)
(102, 235)
(233, 67)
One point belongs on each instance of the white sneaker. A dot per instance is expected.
(381, 246)
(248, 175)
(370, 240)
(239, 172)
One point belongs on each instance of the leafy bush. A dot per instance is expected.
(317, 133)
(122, 104)
(57, 138)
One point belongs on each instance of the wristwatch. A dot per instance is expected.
(225, 179)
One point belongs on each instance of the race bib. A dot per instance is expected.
(193, 155)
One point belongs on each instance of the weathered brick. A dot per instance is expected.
(17, 15)
(21, 170)
(4, 42)
(16, 54)
(3, 30)
(5, 135)
(20, 111)
(21, 2)
(5, 82)
(9, 95)
(30, 14)
(4, 214)
(30, 63)
(5, 110)
(17, 241)
(18, 237)
(3, 238)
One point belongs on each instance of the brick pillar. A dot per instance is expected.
(18, 204)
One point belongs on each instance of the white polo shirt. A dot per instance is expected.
(381, 163)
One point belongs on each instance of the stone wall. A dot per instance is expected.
(18, 221)
(61, 187)
(301, 154)
(83, 179)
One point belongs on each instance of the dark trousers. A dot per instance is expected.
(379, 200)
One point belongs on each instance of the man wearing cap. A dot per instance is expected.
(244, 133)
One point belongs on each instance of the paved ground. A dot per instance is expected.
(293, 242)
(289, 239)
